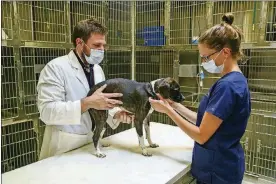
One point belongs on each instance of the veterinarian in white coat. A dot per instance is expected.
(62, 89)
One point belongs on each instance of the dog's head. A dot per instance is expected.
(168, 88)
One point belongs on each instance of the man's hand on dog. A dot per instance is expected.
(124, 117)
(100, 101)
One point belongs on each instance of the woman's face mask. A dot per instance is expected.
(96, 56)
(210, 66)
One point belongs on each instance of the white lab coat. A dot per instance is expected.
(62, 83)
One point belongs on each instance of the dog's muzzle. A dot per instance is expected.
(178, 98)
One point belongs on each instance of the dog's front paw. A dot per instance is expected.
(154, 145)
(146, 153)
(100, 154)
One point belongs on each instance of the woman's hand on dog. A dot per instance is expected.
(162, 105)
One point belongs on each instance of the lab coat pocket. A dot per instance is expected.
(68, 142)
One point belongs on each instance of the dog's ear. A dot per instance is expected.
(164, 89)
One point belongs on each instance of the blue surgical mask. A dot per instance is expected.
(211, 66)
(96, 56)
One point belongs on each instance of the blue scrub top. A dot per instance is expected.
(221, 159)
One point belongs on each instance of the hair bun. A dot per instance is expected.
(228, 18)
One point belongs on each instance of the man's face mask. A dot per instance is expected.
(211, 67)
(96, 56)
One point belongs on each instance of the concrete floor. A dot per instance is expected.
(252, 180)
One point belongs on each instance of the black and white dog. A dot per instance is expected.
(136, 101)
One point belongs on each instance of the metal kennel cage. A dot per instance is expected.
(147, 40)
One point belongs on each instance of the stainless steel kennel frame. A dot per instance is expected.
(147, 40)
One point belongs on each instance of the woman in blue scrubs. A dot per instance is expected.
(221, 120)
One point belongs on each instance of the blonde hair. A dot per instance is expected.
(224, 35)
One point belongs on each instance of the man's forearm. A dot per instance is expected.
(184, 111)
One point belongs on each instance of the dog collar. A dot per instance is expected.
(155, 97)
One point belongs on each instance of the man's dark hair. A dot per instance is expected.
(84, 28)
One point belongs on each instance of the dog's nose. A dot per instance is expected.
(179, 98)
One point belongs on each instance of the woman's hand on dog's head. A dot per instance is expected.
(162, 105)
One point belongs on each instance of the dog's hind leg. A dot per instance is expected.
(101, 136)
(147, 130)
(100, 119)
(139, 129)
